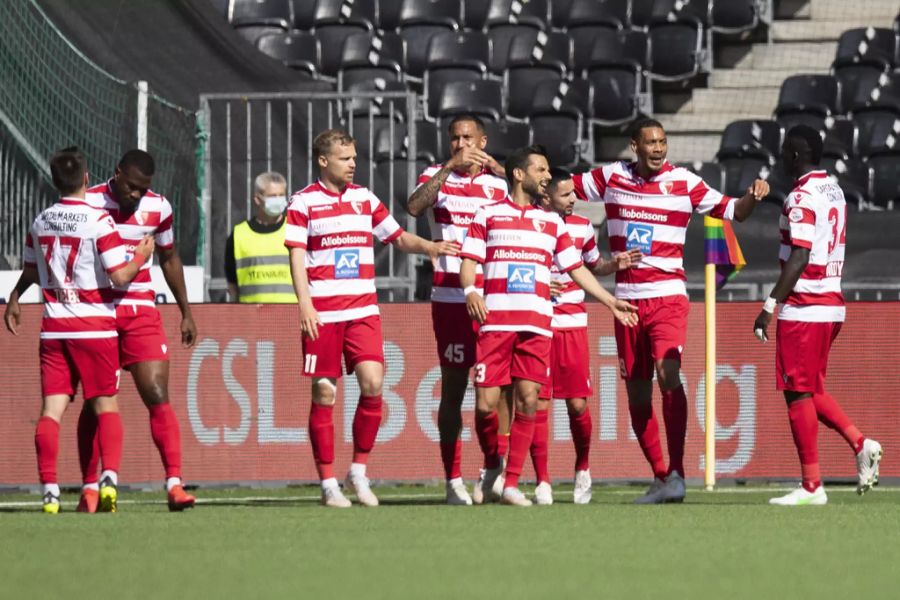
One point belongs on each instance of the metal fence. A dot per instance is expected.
(247, 134)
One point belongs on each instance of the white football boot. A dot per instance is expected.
(333, 497)
(457, 495)
(514, 497)
(359, 485)
(800, 497)
(867, 465)
(582, 493)
(543, 494)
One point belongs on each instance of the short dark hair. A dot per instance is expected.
(325, 140)
(812, 139)
(140, 159)
(466, 117)
(642, 124)
(518, 159)
(557, 176)
(67, 168)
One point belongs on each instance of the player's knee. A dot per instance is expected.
(668, 377)
(155, 391)
(324, 392)
(371, 385)
(576, 406)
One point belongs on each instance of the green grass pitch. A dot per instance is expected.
(280, 544)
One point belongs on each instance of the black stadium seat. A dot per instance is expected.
(646, 12)
(817, 94)
(431, 12)
(332, 38)
(869, 45)
(298, 50)
(879, 131)
(856, 83)
(367, 129)
(304, 14)
(330, 12)
(483, 98)
(475, 13)
(884, 181)
(504, 137)
(379, 106)
(388, 14)
(534, 13)
(427, 143)
(436, 81)
(853, 177)
(751, 138)
(253, 33)
(470, 49)
(502, 38)
(370, 56)
(417, 38)
(710, 172)
(546, 57)
(741, 172)
(675, 49)
(734, 16)
(619, 48)
(610, 13)
(841, 139)
(557, 119)
(268, 13)
(616, 93)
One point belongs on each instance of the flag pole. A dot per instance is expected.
(709, 475)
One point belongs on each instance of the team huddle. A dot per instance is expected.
(512, 264)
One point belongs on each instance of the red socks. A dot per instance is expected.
(539, 446)
(520, 436)
(167, 437)
(646, 428)
(581, 427)
(88, 449)
(502, 444)
(674, 404)
(805, 427)
(109, 438)
(451, 456)
(321, 436)
(831, 414)
(46, 444)
(366, 421)
(486, 427)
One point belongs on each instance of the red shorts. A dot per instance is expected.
(141, 334)
(504, 355)
(455, 332)
(92, 361)
(570, 369)
(357, 341)
(660, 334)
(801, 355)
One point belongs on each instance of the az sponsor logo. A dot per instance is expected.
(640, 237)
(346, 264)
(520, 279)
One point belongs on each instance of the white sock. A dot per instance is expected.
(51, 488)
(357, 470)
(91, 486)
(172, 482)
(329, 484)
(456, 481)
(111, 475)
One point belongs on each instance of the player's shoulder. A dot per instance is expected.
(430, 170)
(577, 220)
(153, 201)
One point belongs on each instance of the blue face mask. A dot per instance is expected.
(275, 205)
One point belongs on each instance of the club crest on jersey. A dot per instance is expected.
(795, 215)
(665, 187)
(141, 216)
(639, 236)
(488, 191)
(539, 225)
(520, 279)
(357, 206)
(346, 264)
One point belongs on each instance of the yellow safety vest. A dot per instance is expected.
(263, 266)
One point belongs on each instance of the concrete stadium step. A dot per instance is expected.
(792, 9)
(836, 10)
(747, 78)
(711, 123)
(591, 210)
(796, 31)
(796, 57)
(759, 100)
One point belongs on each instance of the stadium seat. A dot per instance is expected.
(474, 14)
(856, 82)
(332, 12)
(868, 45)
(884, 97)
(710, 172)
(791, 119)
(583, 40)
(734, 16)
(504, 137)
(304, 14)
(853, 177)
(268, 13)
(625, 48)
(371, 55)
(429, 142)
(532, 61)
(520, 84)
(395, 143)
(841, 139)
(253, 33)
(817, 94)
(609, 13)
(378, 105)
(616, 93)
(432, 12)
(884, 181)
(332, 38)
(388, 14)
(559, 13)
(675, 49)
(749, 138)
(368, 129)
(741, 172)
(502, 37)
(534, 13)
(879, 131)
(436, 81)
(557, 119)
(483, 98)
(298, 50)
(417, 38)
(646, 12)
(470, 49)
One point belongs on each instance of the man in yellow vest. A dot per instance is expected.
(257, 265)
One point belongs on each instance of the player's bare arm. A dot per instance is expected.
(790, 274)
(624, 312)
(426, 194)
(744, 206)
(309, 317)
(414, 244)
(475, 305)
(12, 314)
(142, 252)
(619, 262)
(173, 273)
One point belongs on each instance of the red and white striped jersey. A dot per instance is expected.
(74, 246)
(517, 247)
(569, 311)
(460, 196)
(336, 230)
(814, 216)
(152, 216)
(652, 216)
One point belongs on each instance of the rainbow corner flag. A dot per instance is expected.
(722, 250)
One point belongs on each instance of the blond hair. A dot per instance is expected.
(325, 140)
